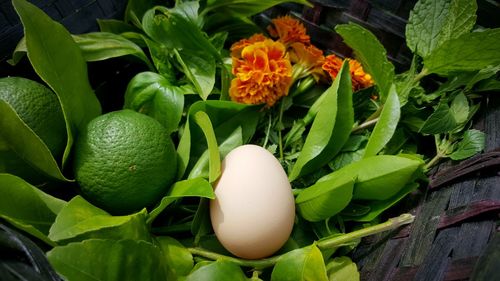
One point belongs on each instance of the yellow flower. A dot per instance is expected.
(308, 60)
(360, 79)
(288, 30)
(237, 47)
(263, 73)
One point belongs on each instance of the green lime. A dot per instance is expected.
(124, 161)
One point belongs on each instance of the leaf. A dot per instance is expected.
(327, 135)
(473, 142)
(379, 177)
(214, 162)
(178, 259)
(220, 270)
(135, 10)
(460, 108)
(162, 57)
(80, 220)
(58, 61)
(325, 199)
(27, 207)
(244, 8)
(433, 22)
(115, 26)
(371, 53)
(386, 125)
(197, 187)
(342, 268)
(440, 121)
(111, 260)
(469, 52)
(153, 95)
(300, 265)
(19, 138)
(199, 69)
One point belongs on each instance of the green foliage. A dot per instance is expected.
(299, 265)
(342, 268)
(217, 270)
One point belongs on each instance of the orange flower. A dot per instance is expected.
(288, 30)
(237, 47)
(360, 79)
(263, 73)
(308, 60)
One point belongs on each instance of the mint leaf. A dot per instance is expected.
(461, 20)
(460, 108)
(472, 143)
(440, 121)
(469, 52)
(371, 53)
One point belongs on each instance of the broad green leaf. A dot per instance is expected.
(135, 10)
(110, 260)
(473, 142)
(97, 46)
(433, 22)
(153, 95)
(27, 207)
(469, 52)
(199, 69)
(330, 129)
(325, 199)
(57, 59)
(179, 261)
(80, 220)
(214, 162)
(24, 143)
(440, 121)
(220, 270)
(196, 187)
(188, 10)
(162, 57)
(370, 53)
(379, 177)
(342, 268)
(300, 265)
(460, 108)
(244, 8)
(386, 125)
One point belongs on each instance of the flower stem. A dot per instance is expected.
(365, 125)
(327, 243)
(433, 162)
(421, 75)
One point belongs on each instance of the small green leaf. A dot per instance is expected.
(325, 199)
(460, 108)
(440, 121)
(220, 270)
(80, 220)
(179, 261)
(111, 260)
(153, 95)
(196, 187)
(135, 10)
(57, 59)
(473, 142)
(386, 125)
(244, 8)
(162, 57)
(300, 265)
(199, 69)
(27, 207)
(214, 161)
(371, 53)
(342, 268)
(469, 52)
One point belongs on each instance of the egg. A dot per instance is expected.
(254, 209)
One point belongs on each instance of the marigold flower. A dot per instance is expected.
(288, 30)
(308, 60)
(237, 47)
(360, 79)
(263, 73)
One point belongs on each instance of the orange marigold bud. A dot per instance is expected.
(288, 30)
(263, 73)
(308, 60)
(360, 79)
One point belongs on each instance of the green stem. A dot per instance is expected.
(433, 161)
(327, 243)
(280, 127)
(421, 75)
(365, 125)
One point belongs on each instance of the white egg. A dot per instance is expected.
(254, 209)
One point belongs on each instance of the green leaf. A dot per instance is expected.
(162, 57)
(440, 121)
(115, 26)
(433, 22)
(179, 261)
(325, 199)
(386, 125)
(244, 8)
(135, 10)
(214, 161)
(300, 265)
(111, 260)
(473, 142)
(327, 135)
(469, 52)
(220, 270)
(19, 138)
(379, 177)
(460, 108)
(153, 95)
(196, 187)
(80, 220)
(27, 207)
(199, 69)
(371, 53)
(342, 268)
(57, 59)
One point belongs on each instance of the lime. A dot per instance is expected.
(124, 161)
